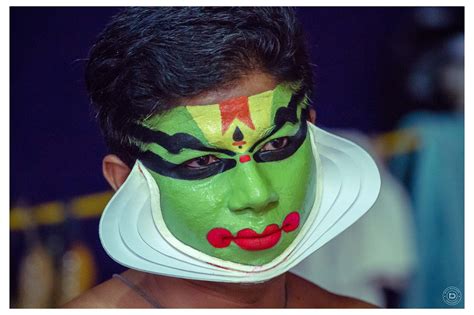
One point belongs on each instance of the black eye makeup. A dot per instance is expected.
(198, 168)
(201, 162)
(281, 148)
(275, 144)
(209, 165)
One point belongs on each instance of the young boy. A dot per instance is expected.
(213, 103)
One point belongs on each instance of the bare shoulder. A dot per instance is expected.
(112, 293)
(303, 293)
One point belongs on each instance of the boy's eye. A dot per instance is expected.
(201, 162)
(275, 144)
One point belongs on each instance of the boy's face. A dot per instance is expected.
(233, 175)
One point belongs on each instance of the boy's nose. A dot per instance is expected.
(251, 190)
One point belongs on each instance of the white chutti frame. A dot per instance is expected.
(346, 186)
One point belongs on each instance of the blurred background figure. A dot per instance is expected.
(434, 172)
(373, 259)
(389, 79)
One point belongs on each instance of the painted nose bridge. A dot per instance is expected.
(250, 189)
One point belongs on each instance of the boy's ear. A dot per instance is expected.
(312, 116)
(115, 171)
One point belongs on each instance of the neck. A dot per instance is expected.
(174, 292)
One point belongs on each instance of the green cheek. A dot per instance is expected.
(251, 195)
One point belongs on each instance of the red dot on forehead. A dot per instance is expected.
(244, 158)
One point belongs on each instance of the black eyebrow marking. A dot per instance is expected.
(283, 115)
(175, 143)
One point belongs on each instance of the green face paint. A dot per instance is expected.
(233, 176)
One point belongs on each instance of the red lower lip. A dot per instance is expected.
(250, 240)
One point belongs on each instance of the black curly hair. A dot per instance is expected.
(147, 59)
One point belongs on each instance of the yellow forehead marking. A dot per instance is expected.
(235, 124)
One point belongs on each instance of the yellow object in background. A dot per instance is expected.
(53, 213)
(78, 272)
(36, 283)
(36, 273)
(46, 279)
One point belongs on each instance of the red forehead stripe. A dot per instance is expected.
(236, 108)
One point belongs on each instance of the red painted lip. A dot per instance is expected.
(250, 240)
